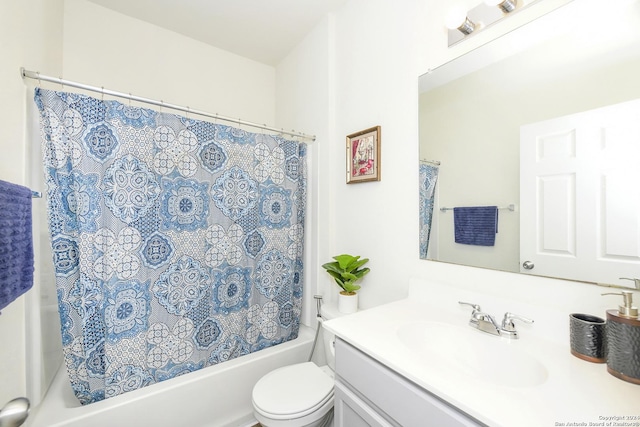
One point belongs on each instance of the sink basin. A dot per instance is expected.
(473, 353)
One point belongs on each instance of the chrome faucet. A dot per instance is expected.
(486, 323)
(481, 320)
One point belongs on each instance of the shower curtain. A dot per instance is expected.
(428, 179)
(177, 243)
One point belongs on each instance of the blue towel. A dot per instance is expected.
(476, 225)
(16, 242)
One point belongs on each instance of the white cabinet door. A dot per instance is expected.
(580, 195)
(351, 411)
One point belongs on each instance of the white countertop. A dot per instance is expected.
(575, 391)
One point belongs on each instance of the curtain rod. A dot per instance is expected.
(35, 75)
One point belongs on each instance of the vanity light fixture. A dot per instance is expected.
(463, 24)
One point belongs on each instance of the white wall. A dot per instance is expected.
(375, 60)
(362, 64)
(104, 48)
(304, 98)
(30, 35)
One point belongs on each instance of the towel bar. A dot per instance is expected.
(511, 207)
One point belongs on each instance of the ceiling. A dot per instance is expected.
(261, 30)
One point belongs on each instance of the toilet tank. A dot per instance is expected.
(329, 311)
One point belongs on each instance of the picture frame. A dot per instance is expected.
(363, 156)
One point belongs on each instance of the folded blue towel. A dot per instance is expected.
(476, 225)
(16, 242)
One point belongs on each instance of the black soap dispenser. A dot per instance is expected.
(623, 340)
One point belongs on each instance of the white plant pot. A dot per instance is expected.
(347, 304)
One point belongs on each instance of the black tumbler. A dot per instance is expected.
(588, 337)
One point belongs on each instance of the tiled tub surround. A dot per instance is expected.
(571, 390)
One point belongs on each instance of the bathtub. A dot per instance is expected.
(217, 396)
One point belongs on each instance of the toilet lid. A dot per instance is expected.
(292, 390)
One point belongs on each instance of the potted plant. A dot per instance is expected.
(346, 271)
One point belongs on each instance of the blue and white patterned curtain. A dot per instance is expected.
(428, 180)
(177, 243)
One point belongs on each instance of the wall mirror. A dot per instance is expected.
(581, 57)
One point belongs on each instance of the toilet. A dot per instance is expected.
(299, 395)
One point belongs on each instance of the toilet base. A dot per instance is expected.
(325, 421)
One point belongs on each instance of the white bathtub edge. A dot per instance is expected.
(193, 399)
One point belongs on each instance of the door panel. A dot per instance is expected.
(580, 195)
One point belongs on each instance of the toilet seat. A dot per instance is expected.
(292, 391)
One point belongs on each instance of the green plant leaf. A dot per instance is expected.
(349, 276)
(344, 260)
(332, 266)
(351, 287)
(362, 272)
(334, 274)
(357, 264)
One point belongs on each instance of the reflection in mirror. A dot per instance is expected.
(472, 126)
(428, 180)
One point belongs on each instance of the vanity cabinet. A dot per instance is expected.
(368, 393)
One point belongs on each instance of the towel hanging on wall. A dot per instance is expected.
(476, 225)
(16, 242)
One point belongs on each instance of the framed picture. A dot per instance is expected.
(363, 156)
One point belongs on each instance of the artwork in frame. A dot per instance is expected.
(363, 156)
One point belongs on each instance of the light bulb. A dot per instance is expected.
(457, 20)
(505, 5)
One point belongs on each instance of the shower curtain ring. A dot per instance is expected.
(130, 99)
(39, 81)
(61, 83)
(188, 111)
(102, 92)
(161, 105)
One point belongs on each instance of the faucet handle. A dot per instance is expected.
(475, 307)
(507, 321)
(476, 314)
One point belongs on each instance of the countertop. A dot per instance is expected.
(574, 392)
